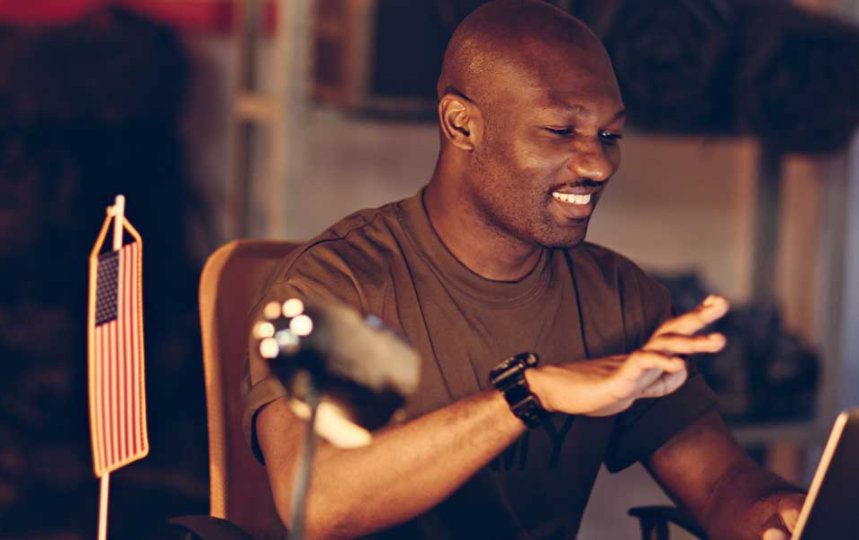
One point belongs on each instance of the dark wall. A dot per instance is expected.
(88, 111)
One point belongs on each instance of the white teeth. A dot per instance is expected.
(572, 198)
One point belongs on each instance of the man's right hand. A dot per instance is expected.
(610, 385)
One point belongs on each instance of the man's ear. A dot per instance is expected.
(461, 122)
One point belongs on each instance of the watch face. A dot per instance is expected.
(504, 374)
(510, 369)
(529, 359)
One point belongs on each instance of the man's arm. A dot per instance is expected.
(405, 470)
(410, 468)
(706, 472)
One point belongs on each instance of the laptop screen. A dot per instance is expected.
(831, 509)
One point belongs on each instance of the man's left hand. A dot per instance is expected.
(782, 511)
(731, 496)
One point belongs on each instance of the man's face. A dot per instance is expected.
(550, 143)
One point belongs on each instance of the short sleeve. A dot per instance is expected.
(650, 423)
(259, 386)
(310, 278)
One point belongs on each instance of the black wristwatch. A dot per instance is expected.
(509, 378)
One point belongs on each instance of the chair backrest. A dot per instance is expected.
(231, 282)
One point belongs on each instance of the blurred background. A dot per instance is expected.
(223, 119)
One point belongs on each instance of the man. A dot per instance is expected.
(489, 261)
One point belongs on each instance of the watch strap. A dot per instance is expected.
(509, 378)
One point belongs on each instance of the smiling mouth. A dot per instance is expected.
(573, 208)
(572, 198)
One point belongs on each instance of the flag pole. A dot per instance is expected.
(119, 215)
(102, 506)
(117, 211)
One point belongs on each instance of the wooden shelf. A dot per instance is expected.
(805, 431)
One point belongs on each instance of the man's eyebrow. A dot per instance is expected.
(581, 110)
(618, 115)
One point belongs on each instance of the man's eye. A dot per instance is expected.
(563, 132)
(610, 137)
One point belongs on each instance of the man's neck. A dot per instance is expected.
(482, 248)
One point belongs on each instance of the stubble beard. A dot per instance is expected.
(522, 216)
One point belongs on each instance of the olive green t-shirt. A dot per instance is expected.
(585, 302)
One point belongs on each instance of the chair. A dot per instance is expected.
(241, 504)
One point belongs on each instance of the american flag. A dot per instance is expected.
(117, 398)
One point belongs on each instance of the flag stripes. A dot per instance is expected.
(117, 392)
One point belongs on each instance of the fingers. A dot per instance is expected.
(649, 374)
(711, 309)
(775, 534)
(781, 524)
(683, 344)
(790, 516)
(664, 385)
(789, 507)
(774, 530)
(639, 362)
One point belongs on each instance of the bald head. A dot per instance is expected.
(530, 116)
(521, 36)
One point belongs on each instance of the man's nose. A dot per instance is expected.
(591, 161)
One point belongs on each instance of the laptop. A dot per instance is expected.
(831, 509)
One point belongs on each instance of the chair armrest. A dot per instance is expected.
(209, 528)
(654, 521)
